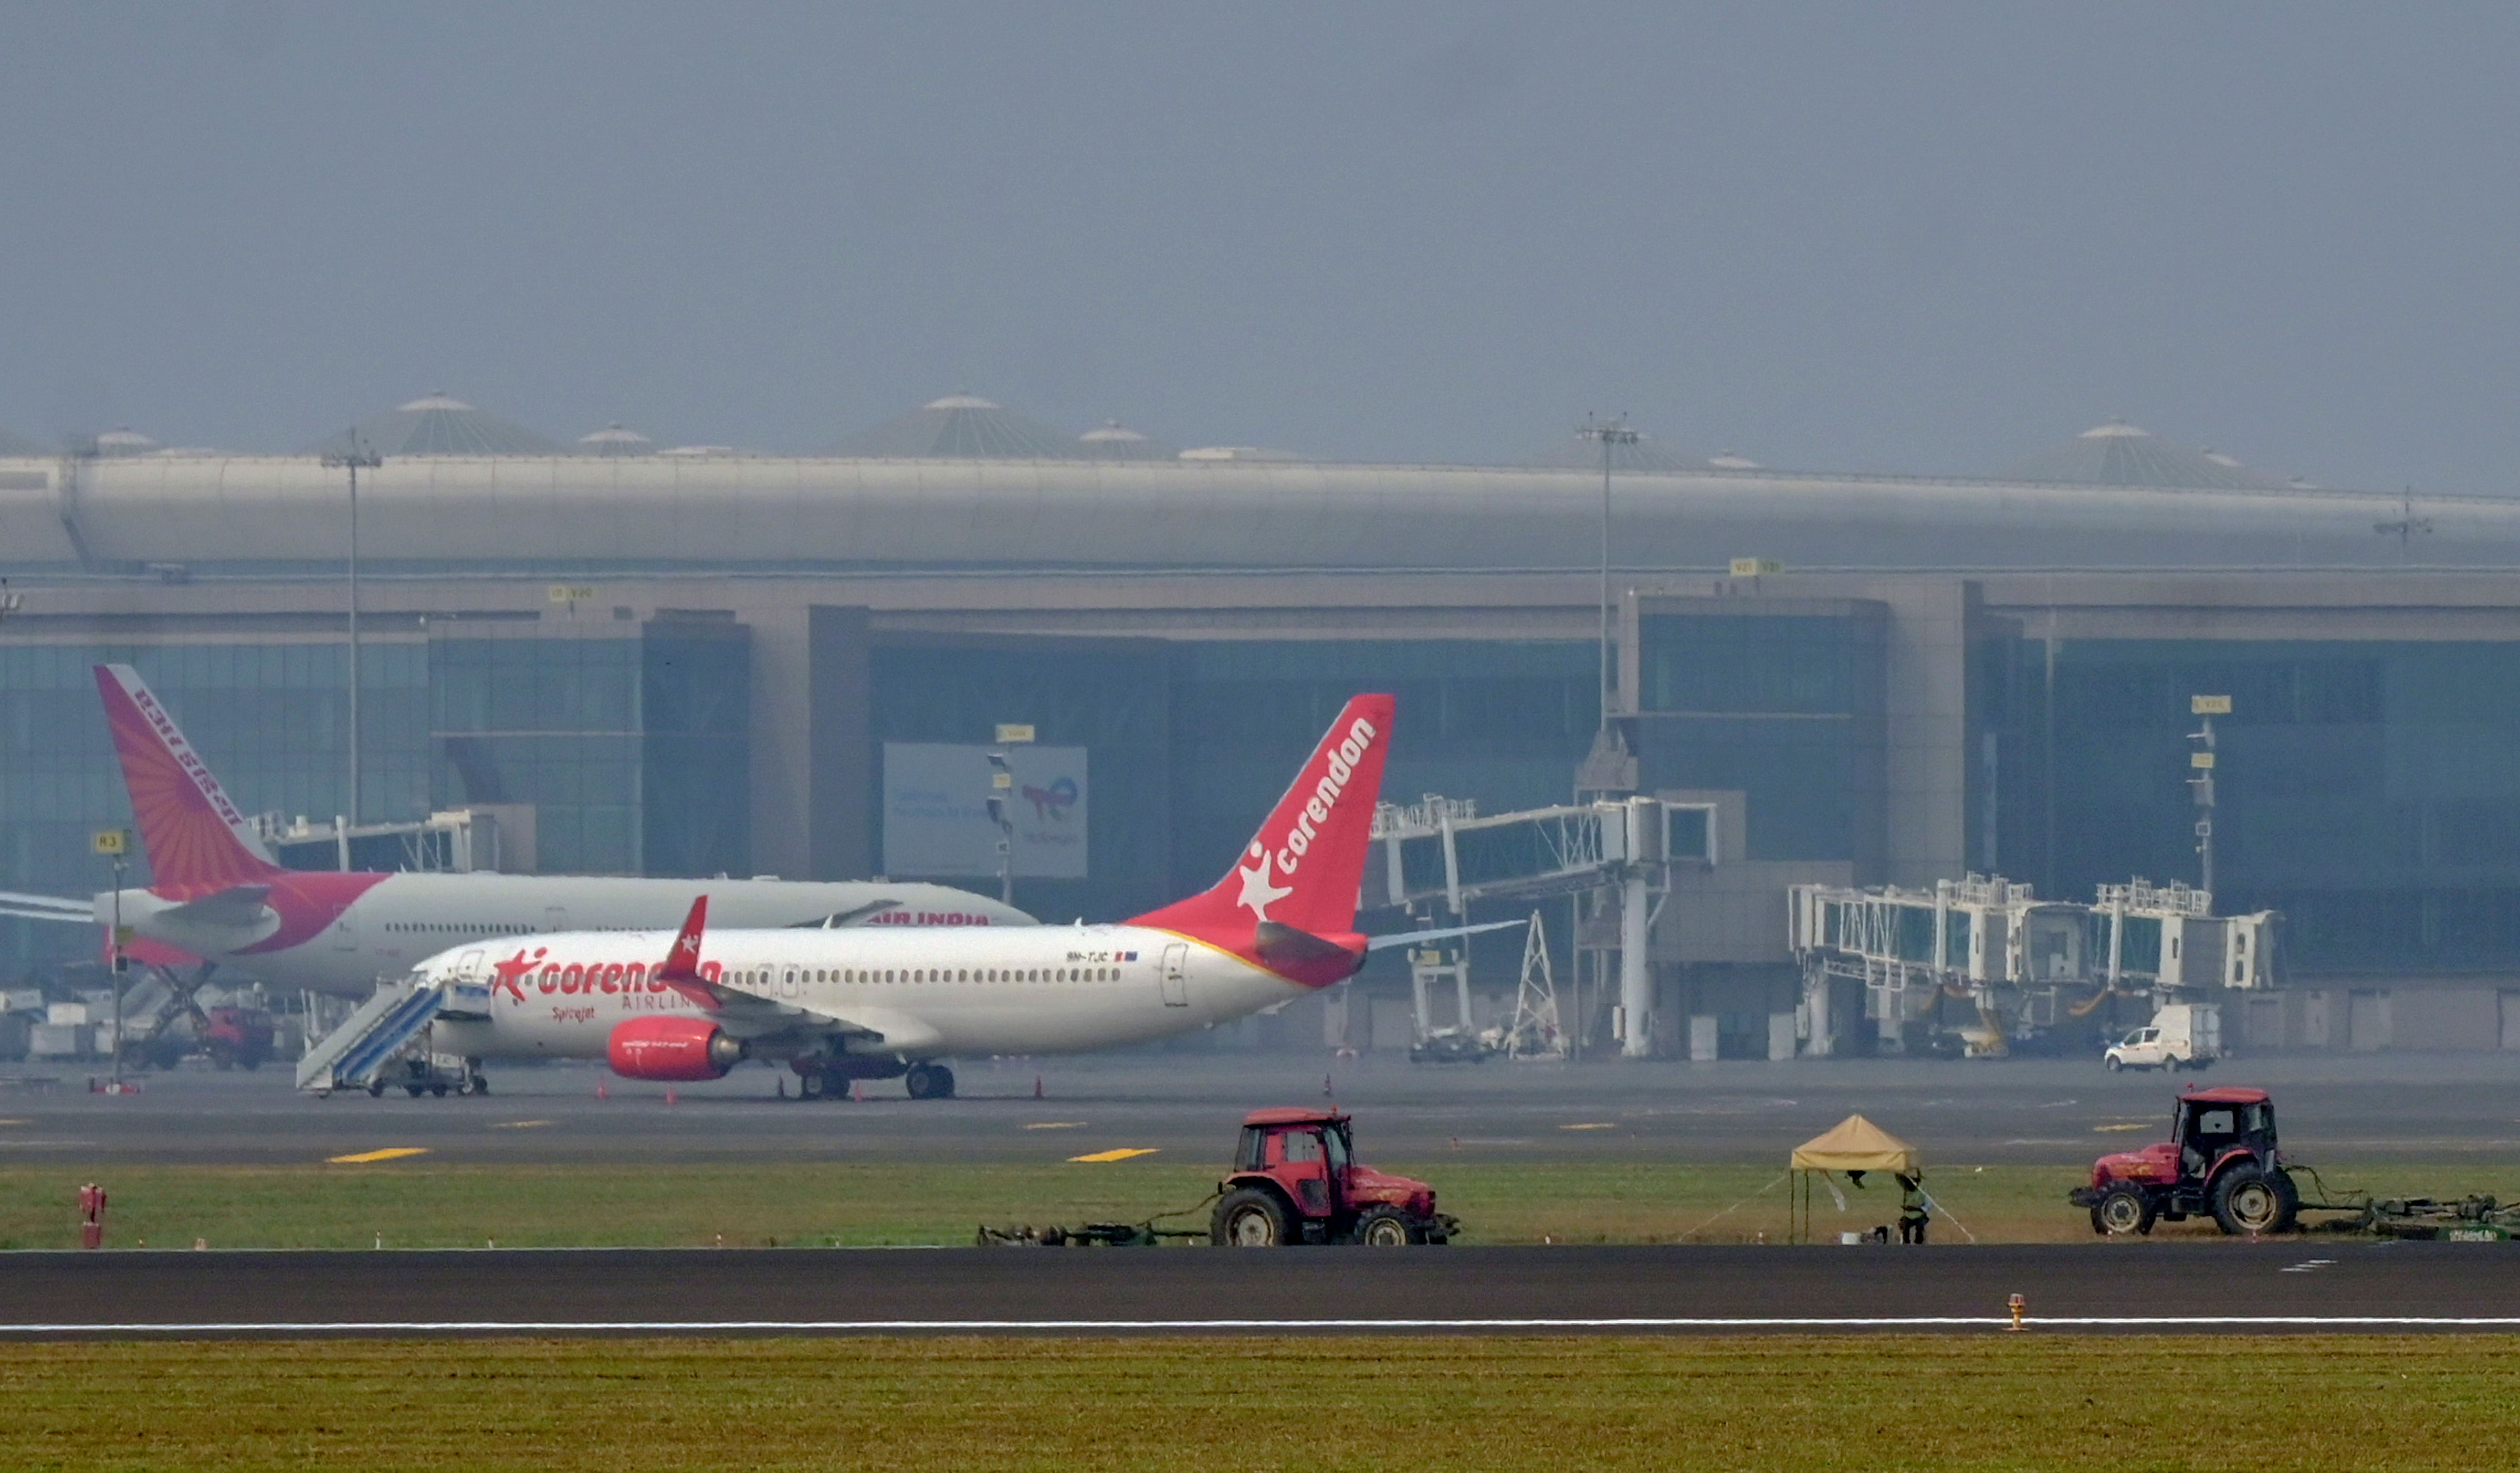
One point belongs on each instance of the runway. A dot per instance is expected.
(2293, 1286)
(1186, 1104)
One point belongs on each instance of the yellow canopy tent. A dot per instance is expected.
(1853, 1144)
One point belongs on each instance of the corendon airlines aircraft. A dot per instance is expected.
(217, 896)
(857, 1005)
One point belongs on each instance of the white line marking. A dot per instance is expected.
(1896, 1321)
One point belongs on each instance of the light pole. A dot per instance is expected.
(355, 456)
(2200, 762)
(1607, 432)
(1002, 791)
(116, 844)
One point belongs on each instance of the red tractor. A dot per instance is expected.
(236, 1038)
(2221, 1159)
(1296, 1179)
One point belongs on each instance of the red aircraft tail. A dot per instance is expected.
(192, 834)
(1304, 867)
(681, 969)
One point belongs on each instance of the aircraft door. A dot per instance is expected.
(554, 918)
(1177, 974)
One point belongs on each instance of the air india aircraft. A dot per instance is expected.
(215, 894)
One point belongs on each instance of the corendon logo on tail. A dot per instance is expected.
(1258, 894)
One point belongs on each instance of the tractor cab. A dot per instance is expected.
(2210, 1125)
(1296, 1179)
(2220, 1158)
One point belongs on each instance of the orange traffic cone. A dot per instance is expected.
(669, 1097)
(600, 1092)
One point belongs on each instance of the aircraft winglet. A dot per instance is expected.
(681, 970)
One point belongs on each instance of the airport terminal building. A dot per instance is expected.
(701, 662)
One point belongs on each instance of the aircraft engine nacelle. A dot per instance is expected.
(674, 1050)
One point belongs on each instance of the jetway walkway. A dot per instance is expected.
(1443, 853)
(351, 1055)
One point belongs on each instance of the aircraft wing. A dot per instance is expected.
(1441, 933)
(748, 1015)
(47, 908)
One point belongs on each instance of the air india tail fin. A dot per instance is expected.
(1304, 866)
(194, 835)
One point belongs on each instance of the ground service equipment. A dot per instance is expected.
(2220, 1158)
(1296, 1179)
(2182, 1036)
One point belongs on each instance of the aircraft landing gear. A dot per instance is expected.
(811, 1085)
(929, 1081)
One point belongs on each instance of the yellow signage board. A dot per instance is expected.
(2202, 761)
(110, 841)
(2208, 706)
(1011, 734)
(1752, 567)
(572, 592)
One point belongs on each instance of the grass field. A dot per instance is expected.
(1998, 1401)
(415, 1203)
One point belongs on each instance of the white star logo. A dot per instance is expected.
(1258, 895)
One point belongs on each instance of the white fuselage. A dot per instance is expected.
(330, 933)
(901, 994)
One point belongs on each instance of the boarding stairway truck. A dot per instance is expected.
(385, 1044)
(2181, 1036)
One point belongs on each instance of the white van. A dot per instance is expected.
(2184, 1035)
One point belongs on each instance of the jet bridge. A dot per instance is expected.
(2023, 965)
(1444, 853)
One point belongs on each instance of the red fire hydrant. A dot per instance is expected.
(91, 1200)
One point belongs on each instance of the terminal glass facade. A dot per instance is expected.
(2368, 790)
(631, 742)
(1785, 707)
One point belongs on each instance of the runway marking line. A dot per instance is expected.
(1121, 1154)
(2138, 1127)
(1633, 1322)
(389, 1153)
(519, 1125)
(1056, 1125)
(1591, 1125)
(11, 1122)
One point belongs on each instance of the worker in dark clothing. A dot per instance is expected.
(1912, 1209)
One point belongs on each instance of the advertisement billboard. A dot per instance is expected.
(936, 818)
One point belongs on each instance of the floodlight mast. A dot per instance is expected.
(1607, 432)
(353, 457)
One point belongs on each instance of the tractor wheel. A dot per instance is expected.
(1388, 1227)
(376, 1089)
(480, 1084)
(2122, 1210)
(1249, 1218)
(2249, 1200)
(811, 1085)
(414, 1091)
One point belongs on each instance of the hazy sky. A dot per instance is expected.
(1861, 237)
